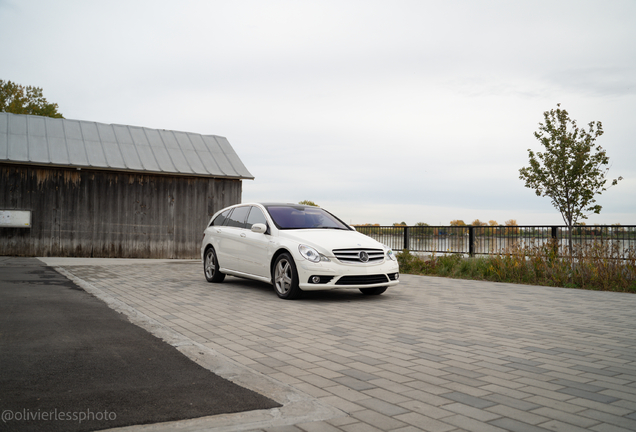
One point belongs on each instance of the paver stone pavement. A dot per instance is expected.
(431, 354)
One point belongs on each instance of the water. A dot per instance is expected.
(491, 244)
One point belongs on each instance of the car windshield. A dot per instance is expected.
(299, 217)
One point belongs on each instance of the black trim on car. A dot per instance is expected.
(362, 280)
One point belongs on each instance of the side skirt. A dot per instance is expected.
(245, 275)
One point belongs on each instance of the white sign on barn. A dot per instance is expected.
(15, 218)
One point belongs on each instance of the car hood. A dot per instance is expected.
(325, 240)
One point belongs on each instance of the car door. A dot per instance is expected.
(255, 259)
(231, 246)
(217, 237)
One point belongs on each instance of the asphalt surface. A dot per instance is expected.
(68, 362)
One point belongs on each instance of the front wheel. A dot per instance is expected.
(373, 291)
(286, 277)
(211, 267)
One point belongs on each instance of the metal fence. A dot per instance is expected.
(472, 240)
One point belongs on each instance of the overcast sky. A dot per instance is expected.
(379, 111)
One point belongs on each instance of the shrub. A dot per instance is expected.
(412, 264)
(595, 265)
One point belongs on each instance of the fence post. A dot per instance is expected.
(406, 237)
(555, 241)
(471, 241)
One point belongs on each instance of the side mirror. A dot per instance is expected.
(259, 228)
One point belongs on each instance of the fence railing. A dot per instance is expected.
(472, 240)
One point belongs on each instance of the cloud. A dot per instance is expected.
(596, 81)
(374, 107)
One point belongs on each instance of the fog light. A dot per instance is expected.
(315, 279)
(397, 276)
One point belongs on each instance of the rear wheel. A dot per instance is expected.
(211, 267)
(286, 277)
(373, 291)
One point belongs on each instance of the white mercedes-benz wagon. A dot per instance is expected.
(296, 248)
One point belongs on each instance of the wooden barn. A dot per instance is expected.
(86, 189)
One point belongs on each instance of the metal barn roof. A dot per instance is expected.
(84, 144)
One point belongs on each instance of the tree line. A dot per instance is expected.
(455, 222)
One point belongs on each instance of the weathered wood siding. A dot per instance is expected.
(92, 213)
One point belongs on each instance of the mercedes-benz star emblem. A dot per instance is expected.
(363, 256)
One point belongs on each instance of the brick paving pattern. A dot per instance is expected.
(431, 354)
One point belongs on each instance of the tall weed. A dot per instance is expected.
(597, 266)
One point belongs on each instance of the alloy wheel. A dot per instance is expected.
(283, 276)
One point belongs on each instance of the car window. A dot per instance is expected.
(299, 217)
(221, 219)
(237, 218)
(255, 216)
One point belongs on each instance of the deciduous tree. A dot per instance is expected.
(18, 99)
(572, 168)
(309, 203)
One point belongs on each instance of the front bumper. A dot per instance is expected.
(334, 275)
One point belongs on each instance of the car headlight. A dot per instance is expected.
(311, 254)
(390, 254)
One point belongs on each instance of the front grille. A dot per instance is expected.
(358, 255)
(362, 280)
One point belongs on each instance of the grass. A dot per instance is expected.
(594, 266)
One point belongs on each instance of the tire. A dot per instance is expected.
(211, 267)
(373, 291)
(285, 277)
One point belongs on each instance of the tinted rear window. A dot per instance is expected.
(237, 218)
(220, 219)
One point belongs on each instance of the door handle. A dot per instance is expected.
(242, 234)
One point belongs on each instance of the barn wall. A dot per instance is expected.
(92, 213)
